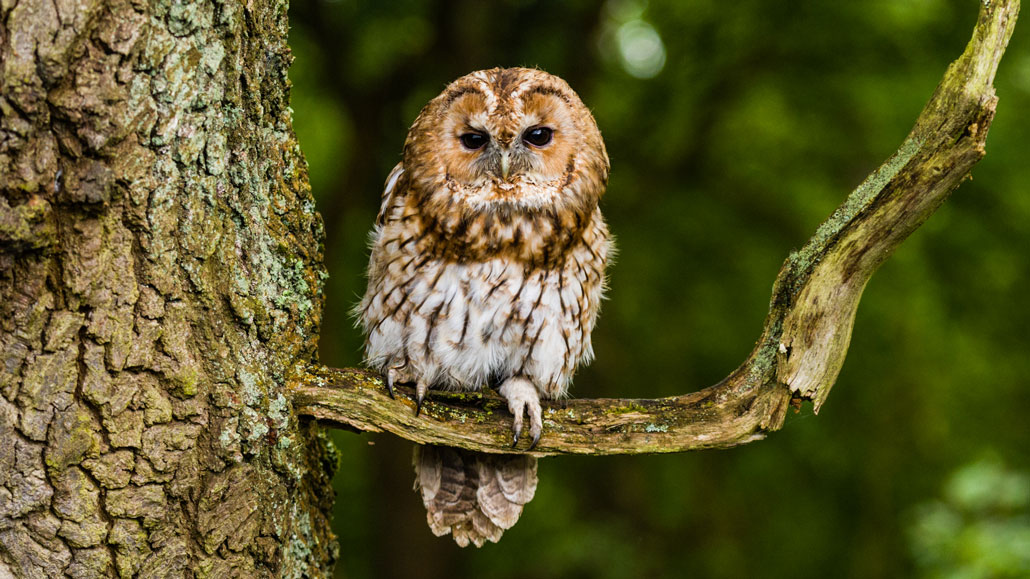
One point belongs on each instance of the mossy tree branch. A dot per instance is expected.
(806, 333)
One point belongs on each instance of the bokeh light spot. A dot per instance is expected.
(641, 49)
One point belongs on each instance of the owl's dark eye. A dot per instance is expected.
(538, 136)
(473, 141)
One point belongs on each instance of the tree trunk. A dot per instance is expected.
(160, 274)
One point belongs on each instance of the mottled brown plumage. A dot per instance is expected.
(487, 268)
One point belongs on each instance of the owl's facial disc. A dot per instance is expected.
(502, 150)
(516, 156)
(507, 139)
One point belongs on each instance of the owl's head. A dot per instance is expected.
(513, 139)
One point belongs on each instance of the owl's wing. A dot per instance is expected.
(388, 192)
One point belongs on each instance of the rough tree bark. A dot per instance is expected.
(160, 275)
(807, 331)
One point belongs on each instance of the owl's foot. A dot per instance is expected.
(523, 398)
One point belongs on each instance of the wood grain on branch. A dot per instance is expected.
(806, 333)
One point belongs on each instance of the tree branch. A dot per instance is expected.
(807, 331)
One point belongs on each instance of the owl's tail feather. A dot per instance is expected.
(473, 496)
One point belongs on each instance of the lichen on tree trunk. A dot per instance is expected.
(160, 274)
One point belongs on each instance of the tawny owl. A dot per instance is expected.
(487, 268)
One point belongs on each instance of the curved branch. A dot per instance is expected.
(807, 331)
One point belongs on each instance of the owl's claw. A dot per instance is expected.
(389, 382)
(536, 439)
(523, 399)
(421, 389)
(397, 375)
(517, 426)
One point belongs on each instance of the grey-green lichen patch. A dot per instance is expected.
(215, 154)
(189, 142)
(249, 386)
(857, 201)
(212, 57)
(279, 410)
(253, 426)
(763, 361)
(229, 436)
(300, 540)
(445, 412)
(567, 413)
(295, 290)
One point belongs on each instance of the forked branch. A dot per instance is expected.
(806, 334)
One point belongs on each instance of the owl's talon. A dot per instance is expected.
(421, 389)
(536, 425)
(536, 439)
(516, 425)
(396, 375)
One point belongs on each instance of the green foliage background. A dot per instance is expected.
(763, 117)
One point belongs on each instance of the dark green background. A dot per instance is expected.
(765, 115)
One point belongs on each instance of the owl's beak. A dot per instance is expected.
(505, 164)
